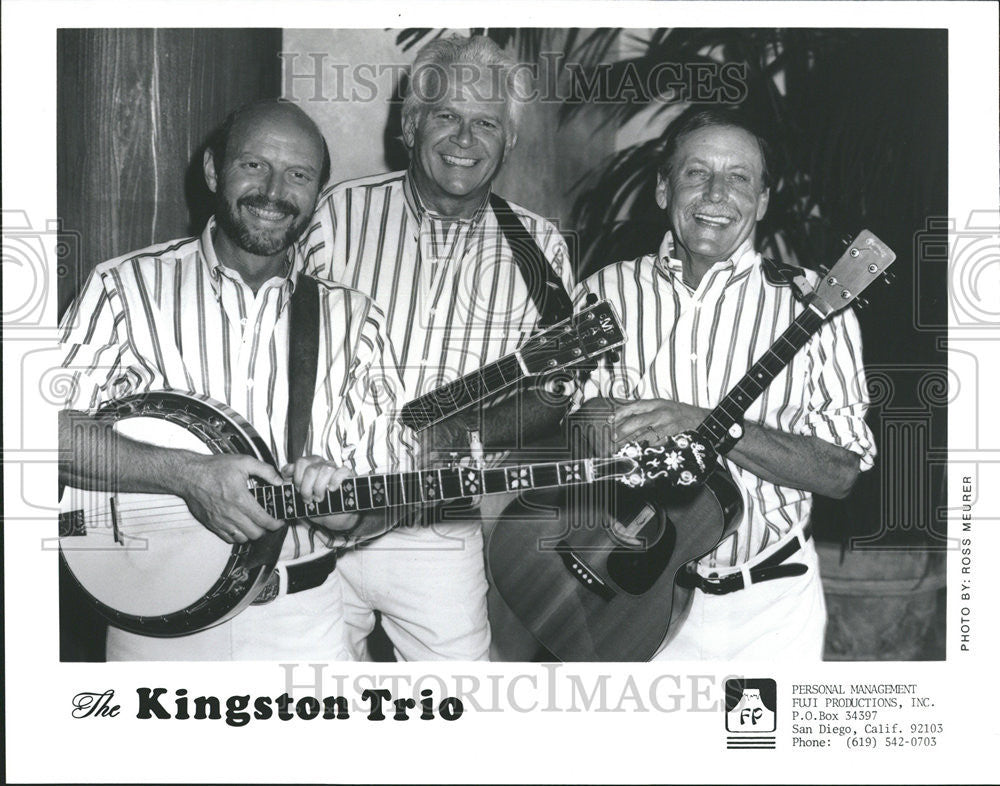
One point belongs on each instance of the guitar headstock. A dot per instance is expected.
(865, 260)
(590, 332)
(684, 459)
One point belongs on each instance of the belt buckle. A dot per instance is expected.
(714, 584)
(269, 591)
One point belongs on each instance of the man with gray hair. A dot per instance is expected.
(426, 244)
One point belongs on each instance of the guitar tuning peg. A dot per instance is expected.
(591, 299)
(846, 240)
(862, 303)
(613, 356)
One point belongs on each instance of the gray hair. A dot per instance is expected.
(481, 56)
(696, 117)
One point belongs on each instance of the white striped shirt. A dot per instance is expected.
(694, 346)
(172, 317)
(452, 293)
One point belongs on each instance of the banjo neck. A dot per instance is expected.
(374, 492)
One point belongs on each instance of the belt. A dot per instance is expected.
(773, 567)
(299, 576)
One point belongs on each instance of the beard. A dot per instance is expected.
(263, 243)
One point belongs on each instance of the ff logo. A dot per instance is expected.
(751, 717)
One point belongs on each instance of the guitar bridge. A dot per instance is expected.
(582, 572)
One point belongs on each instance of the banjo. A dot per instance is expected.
(150, 567)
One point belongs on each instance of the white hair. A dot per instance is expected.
(479, 54)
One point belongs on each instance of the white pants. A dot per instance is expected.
(429, 583)
(307, 625)
(781, 619)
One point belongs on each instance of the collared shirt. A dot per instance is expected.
(453, 295)
(173, 317)
(693, 346)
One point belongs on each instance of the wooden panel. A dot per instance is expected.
(134, 108)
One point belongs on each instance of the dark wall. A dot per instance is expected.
(134, 106)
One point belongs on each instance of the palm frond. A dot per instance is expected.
(837, 105)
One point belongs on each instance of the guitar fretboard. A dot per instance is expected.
(371, 492)
(461, 393)
(715, 427)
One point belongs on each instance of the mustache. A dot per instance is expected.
(261, 202)
(713, 210)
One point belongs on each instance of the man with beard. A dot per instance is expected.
(426, 244)
(210, 316)
(698, 314)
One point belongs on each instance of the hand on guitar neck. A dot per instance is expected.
(313, 478)
(791, 460)
(654, 419)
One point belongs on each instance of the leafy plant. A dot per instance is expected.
(857, 119)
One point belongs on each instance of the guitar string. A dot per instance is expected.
(771, 363)
(462, 395)
(134, 524)
(492, 374)
(533, 345)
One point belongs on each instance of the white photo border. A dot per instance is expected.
(532, 726)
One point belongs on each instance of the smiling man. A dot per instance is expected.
(698, 314)
(426, 245)
(210, 316)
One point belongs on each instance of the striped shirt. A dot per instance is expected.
(451, 290)
(693, 346)
(172, 317)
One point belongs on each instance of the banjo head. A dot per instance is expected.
(143, 560)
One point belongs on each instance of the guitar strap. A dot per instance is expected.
(547, 292)
(303, 353)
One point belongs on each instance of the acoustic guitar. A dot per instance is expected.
(593, 575)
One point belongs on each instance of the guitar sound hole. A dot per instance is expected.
(634, 529)
(636, 569)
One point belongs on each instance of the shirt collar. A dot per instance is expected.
(419, 210)
(743, 257)
(215, 267)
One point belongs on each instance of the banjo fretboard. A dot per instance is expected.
(371, 492)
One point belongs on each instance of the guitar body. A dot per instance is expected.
(590, 571)
(143, 560)
(592, 576)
